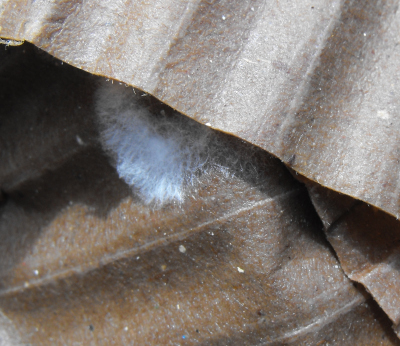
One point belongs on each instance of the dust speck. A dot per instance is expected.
(79, 140)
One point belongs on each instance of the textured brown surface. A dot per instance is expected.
(367, 242)
(161, 294)
(314, 84)
(84, 261)
(291, 289)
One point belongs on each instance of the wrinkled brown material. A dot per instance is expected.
(84, 261)
(367, 242)
(313, 84)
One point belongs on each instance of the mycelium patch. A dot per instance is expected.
(158, 154)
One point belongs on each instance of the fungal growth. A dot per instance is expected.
(160, 152)
(156, 151)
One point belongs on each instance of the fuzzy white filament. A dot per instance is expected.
(156, 154)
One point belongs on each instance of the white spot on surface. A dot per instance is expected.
(240, 270)
(36, 272)
(177, 306)
(223, 17)
(79, 140)
(126, 329)
(182, 249)
(208, 124)
(383, 114)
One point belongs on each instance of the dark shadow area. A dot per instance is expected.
(46, 113)
(251, 164)
(368, 231)
(330, 205)
(86, 178)
(49, 149)
(384, 321)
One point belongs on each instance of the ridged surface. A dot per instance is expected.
(315, 85)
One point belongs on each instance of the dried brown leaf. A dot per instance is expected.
(367, 242)
(313, 84)
(243, 261)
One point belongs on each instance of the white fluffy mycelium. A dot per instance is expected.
(158, 154)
